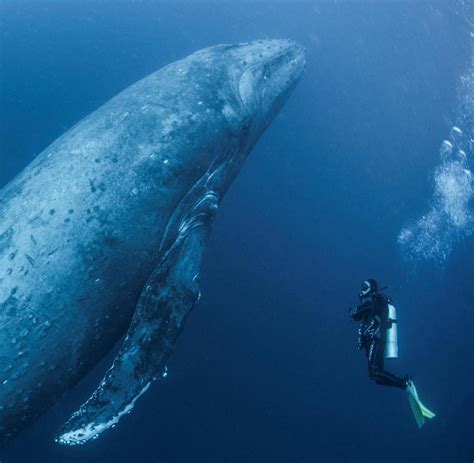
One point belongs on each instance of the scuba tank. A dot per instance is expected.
(391, 343)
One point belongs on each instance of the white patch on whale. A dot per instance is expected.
(93, 430)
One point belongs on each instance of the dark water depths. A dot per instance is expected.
(267, 368)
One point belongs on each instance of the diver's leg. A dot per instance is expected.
(376, 367)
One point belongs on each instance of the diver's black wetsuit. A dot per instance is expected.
(373, 315)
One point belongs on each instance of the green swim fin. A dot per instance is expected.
(420, 412)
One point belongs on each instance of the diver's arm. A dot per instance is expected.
(360, 312)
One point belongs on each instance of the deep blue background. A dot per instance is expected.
(267, 368)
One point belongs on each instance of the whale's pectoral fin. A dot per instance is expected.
(168, 297)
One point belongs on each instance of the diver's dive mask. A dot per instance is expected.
(367, 289)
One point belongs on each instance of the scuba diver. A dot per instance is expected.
(378, 337)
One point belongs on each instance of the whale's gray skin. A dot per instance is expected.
(105, 230)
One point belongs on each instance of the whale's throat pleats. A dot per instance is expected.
(168, 297)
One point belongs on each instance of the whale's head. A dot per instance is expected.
(266, 72)
(234, 92)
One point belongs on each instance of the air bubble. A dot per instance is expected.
(446, 149)
(455, 134)
(462, 156)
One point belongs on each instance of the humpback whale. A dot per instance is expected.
(103, 234)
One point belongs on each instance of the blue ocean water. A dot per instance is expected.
(267, 368)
